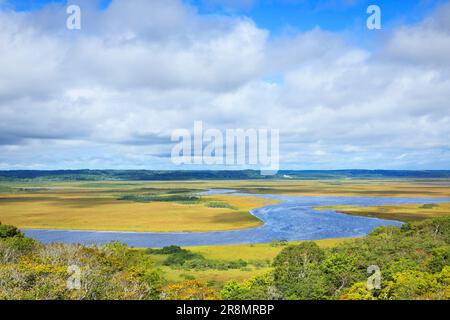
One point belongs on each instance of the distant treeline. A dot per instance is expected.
(171, 175)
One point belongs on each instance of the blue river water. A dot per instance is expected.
(292, 219)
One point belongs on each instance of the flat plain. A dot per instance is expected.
(174, 206)
(89, 208)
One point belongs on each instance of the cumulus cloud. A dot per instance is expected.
(110, 94)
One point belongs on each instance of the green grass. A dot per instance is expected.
(258, 258)
(254, 252)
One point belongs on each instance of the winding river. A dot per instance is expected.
(292, 219)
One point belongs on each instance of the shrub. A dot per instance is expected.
(30, 270)
(279, 243)
(165, 250)
(160, 198)
(297, 274)
(440, 259)
(358, 291)
(189, 290)
(429, 206)
(7, 231)
(179, 258)
(218, 204)
(260, 287)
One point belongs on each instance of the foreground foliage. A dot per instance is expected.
(414, 261)
(30, 270)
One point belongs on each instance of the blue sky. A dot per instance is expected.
(330, 15)
(111, 94)
(279, 15)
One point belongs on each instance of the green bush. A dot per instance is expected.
(256, 288)
(165, 250)
(160, 198)
(218, 204)
(429, 206)
(7, 231)
(185, 259)
(440, 258)
(179, 258)
(297, 272)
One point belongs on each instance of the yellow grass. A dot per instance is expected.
(404, 212)
(218, 276)
(93, 205)
(252, 253)
(388, 188)
(94, 212)
(374, 188)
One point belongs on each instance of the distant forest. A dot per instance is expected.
(169, 175)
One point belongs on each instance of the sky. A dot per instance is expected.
(109, 96)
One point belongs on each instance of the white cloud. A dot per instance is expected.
(110, 94)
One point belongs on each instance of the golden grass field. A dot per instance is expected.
(404, 212)
(95, 205)
(251, 252)
(96, 212)
(376, 188)
(259, 257)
